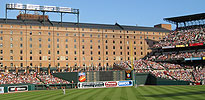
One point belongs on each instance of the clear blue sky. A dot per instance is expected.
(125, 12)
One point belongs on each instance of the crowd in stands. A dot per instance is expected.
(32, 78)
(183, 37)
(20, 78)
(50, 79)
(174, 71)
(177, 56)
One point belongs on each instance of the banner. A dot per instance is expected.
(125, 83)
(90, 84)
(128, 75)
(180, 45)
(18, 88)
(195, 44)
(167, 47)
(111, 84)
(81, 77)
(203, 58)
(104, 84)
(1, 90)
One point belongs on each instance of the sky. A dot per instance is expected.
(125, 12)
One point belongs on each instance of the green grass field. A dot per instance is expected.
(123, 93)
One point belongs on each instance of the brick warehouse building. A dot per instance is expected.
(35, 43)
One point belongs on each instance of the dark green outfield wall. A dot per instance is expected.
(69, 76)
(149, 79)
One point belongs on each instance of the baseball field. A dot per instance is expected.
(122, 93)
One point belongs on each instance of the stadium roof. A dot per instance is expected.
(81, 25)
(186, 18)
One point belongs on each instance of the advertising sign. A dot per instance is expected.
(18, 88)
(111, 84)
(90, 84)
(125, 83)
(81, 77)
(1, 90)
(128, 75)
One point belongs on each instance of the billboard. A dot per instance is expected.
(20, 88)
(128, 75)
(104, 84)
(38, 7)
(81, 77)
(1, 90)
(125, 83)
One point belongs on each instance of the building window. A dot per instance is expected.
(98, 35)
(91, 47)
(113, 41)
(11, 51)
(39, 33)
(49, 46)
(39, 45)
(57, 34)
(120, 42)
(105, 35)
(99, 58)
(106, 52)
(106, 47)
(105, 41)
(75, 46)
(57, 45)
(106, 58)
(49, 52)
(66, 52)
(1, 51)
(83, 52)
(57, 40)
(58, 58)
(114, 53)
(120, 47)
(135, 53)
(140, 42)
(66, 58)
(140, 37)
(1, 57)
(66, 40)
(58, 52)
(75, 52)
(98, 47)
(128, 53)
(30, 33)
(1, 45)
(98, 41)
(66, 46)
(21, 39)
(21, 45)
(11, 45)
(74, 34)
(40, 58)
(39, 39)
(75, 58)
(11, 39)
(21, 51)
(30, 39)
(120, 35)
(30, 51)
(120, 53)
(141, 53)
(49, 33)
(91, 58)
(74, 40)
(49, 58)
(98, 52)
(39, 51)
(11, 32)
(66, 33)
(30, 57)
(21, 57)
(113, 47)
(49, 39)
(91, 52)
(83, 35)
(91, 35)
(128, 47)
